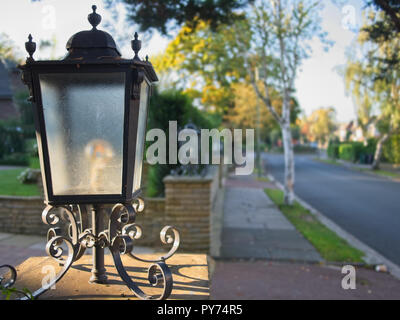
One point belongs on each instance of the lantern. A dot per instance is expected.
(90, 116)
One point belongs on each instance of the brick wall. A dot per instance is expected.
(22, 215)
(187, 205)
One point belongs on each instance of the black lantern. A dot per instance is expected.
(91, 112)
(90, 115)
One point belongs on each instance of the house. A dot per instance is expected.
(353, 132)
(10, 83)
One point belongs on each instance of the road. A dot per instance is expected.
(364, 205)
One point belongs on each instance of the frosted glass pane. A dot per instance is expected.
(144, 94)
(84, 119)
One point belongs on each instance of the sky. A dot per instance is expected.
(318, 83)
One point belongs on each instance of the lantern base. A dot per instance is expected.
(69, 244)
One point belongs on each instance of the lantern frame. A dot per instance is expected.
(135, 73)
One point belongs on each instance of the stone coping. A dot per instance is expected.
(192, 179)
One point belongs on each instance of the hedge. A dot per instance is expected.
(353, 151)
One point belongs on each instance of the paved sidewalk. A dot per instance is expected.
(278, 263)
(15, 248)
(253, 227)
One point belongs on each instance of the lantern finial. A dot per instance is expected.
(94, 18)
(136, 46)
(30, 47)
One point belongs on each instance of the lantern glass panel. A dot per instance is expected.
(84, 121)
(141, 132)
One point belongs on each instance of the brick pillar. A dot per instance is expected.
(188, 204)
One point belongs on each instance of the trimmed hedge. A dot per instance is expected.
(353, 151)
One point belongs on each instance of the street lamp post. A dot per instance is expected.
(90, 115)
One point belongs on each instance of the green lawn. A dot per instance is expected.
(331, 247)
(10, 185)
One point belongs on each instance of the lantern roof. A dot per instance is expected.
(92, 43)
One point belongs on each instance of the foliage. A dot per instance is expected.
(328, 243)
(333, 149)
(319, 126)
(29, 176)
(26, 119)
(280, 33)
(353, 151)
(7, 48)
(347, 152)
(160, 14)
(8, 292)
(372, 76)
(172, 105)
(391, 149)
(205, 62)
(11, 138)
(244, 112)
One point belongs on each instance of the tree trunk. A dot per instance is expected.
(378, 151)
(289, 163)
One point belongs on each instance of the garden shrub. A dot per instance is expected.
(333, 149)
(347, 152)
(391, 149)
(172, 105)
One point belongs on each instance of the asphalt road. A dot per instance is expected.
(364, 205)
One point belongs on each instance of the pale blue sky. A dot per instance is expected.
(318, 84)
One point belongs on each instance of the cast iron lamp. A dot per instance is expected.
(90, 115)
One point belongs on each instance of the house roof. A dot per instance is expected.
(5, 89)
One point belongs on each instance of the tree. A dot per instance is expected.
(375, 84)
(7, 48)
(391, 8)
(205, 63)
(158, 14)
(244, 113)
(321, 124)
(280, 31)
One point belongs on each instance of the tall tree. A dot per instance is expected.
(280, 33)
(373, 78)
(160, 14)
(206, 63)
(321, 125)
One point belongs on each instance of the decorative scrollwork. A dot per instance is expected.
(55, 250)
(123, 232)
(12, 279)
(67, 245)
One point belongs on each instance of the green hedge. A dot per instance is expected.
(333, 150)
(347, 152)
(172, 105)
(352, 151)
(391, 150)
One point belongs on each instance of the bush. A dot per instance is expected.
(15, 159)
(29, 176)
(333, 150)
(347, 152)
(391, 149)
(11, 138)
(172, 105)
(356, 151)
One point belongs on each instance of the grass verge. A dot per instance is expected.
(380, 172)
(330, 246)
(10, 185)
